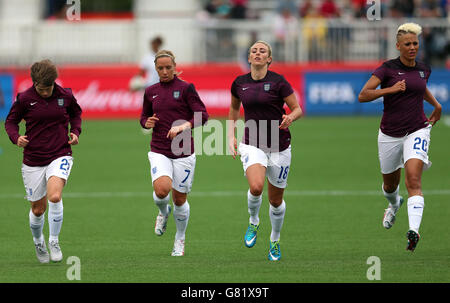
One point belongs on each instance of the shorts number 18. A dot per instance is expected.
(284, 172)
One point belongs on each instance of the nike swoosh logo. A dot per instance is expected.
(54, 220)
(417, 207)
(155, 96)
(251, 240)
(33, 103)
(401, 73)
(273, 257)
(245, 88)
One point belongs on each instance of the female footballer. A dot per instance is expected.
(404, 134)
(266, 147)
(47, 109)
(169, 108)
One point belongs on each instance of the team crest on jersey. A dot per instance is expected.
(176, 94)
(266, 87)
(61, 102)
(422, 74)
(154, 169)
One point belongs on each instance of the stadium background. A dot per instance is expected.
(325, 49)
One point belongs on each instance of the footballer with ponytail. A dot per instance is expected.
(169, 109)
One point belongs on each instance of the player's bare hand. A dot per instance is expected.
(400, 86)
(435, 115)
(151, 121)
(174, 131)
(22, 141)
(287, 121)
(232, 146)
(73, 139)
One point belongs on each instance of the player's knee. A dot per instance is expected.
(413, 183)
(38, 211)
(256, 188)
(389, 188)
(178, 201)
(162, 192)
(54, 198)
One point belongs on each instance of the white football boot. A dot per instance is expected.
(41, 252)
(178, 248)
(55, 251)
(161, 222)
(389, 214)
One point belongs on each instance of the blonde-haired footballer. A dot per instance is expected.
(263, 94)
(168, 108)
(404, 134)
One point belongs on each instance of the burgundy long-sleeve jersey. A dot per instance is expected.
(47, 124)
(173, 102)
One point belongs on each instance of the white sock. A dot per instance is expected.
(162, 204)
(55, 219)
(36, 226)
(415, 211)
(276, 218)
(181, 215)
(254, 203)
(393, 198)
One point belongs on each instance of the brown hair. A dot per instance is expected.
(44, 72)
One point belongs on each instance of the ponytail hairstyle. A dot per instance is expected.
(167, 53)
(269, 48)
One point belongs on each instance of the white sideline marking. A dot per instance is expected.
(436, 192)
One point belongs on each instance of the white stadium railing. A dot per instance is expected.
(196, 40)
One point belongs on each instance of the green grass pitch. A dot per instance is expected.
(332, 224)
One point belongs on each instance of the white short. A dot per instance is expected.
(35, 177)
(277, 164)
(180, 170)
(394, 152)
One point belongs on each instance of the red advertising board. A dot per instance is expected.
(102, 91)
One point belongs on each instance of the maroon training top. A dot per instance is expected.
(173, 101)
(47, 121)
(403, 111)
(263, 102)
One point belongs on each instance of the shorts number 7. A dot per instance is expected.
(187, 176)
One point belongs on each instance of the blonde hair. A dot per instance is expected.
(262, 42)
(43, 72)
(411, 28)
(269, 48)
(165, 53)
(168, 54)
